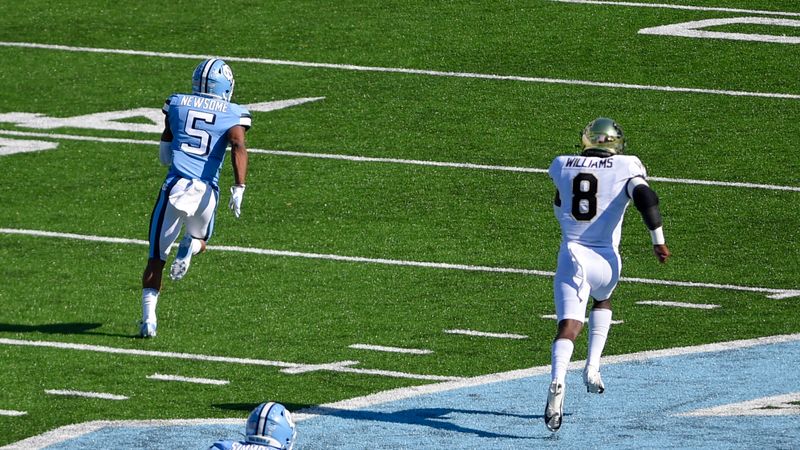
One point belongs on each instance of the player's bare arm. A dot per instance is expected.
(239, 157)
(238, 154)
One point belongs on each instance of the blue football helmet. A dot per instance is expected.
(271, 424)
(213, 77)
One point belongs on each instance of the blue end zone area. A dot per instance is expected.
(646, 405)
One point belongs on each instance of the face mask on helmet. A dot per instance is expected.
(213, 77)
(605, 135)
(271, 424)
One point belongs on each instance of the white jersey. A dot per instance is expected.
(593, 196)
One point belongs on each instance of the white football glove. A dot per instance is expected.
(235, 205)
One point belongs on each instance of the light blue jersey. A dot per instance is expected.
(238, 445)
(199, 126)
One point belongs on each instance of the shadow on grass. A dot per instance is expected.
(60, 328)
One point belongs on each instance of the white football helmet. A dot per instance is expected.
(213, 77)
(271, 424)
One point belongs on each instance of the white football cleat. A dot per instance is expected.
(147, 329)
(179, 269)
(592, 380)
(554, 409)
(182, 259)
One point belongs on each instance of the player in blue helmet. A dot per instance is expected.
(198, 129)
(213, 77)
(269, 426)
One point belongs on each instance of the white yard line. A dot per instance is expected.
(381, 348)
(100, 395)
(293, 367)
(162, 377)
(415, 162)
(12, 413)
(435, 73)
(678, 304)
(485, 334)
(683, 7)
(771, 292)
(554, 317)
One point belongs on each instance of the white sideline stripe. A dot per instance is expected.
(158, 376)
(779, 405)
(415, 162)
(415, 391)
(435, 73)
(225, 359)
(554, 317)
(485, 334)
(12, 413)
(69, 432)
(774, 293)
(684, 7)
(100, 395)
(678, 304)
(380, 348)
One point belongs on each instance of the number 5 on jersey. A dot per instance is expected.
(191, 129)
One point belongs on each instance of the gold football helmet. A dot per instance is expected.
(603, 134)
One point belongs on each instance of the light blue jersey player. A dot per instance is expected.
(269, 426)
(198, 128)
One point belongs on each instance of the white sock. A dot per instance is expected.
(599, 324)
(561, 353)
(197, 245)
(149, 301)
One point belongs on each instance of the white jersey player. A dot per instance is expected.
(593, 190)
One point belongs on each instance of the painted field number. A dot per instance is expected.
(696, 29)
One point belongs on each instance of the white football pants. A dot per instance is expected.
(583, 272)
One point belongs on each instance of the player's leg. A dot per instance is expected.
(570, 313)
(199, 228)
(165, 225)
(600, 318)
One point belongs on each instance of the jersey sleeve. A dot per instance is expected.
(636, 168)
(555, 169)
(243, 115)
(172, 99)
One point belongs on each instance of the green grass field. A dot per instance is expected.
(309, 310)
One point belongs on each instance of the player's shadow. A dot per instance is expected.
(59, 328)
(436, 418)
